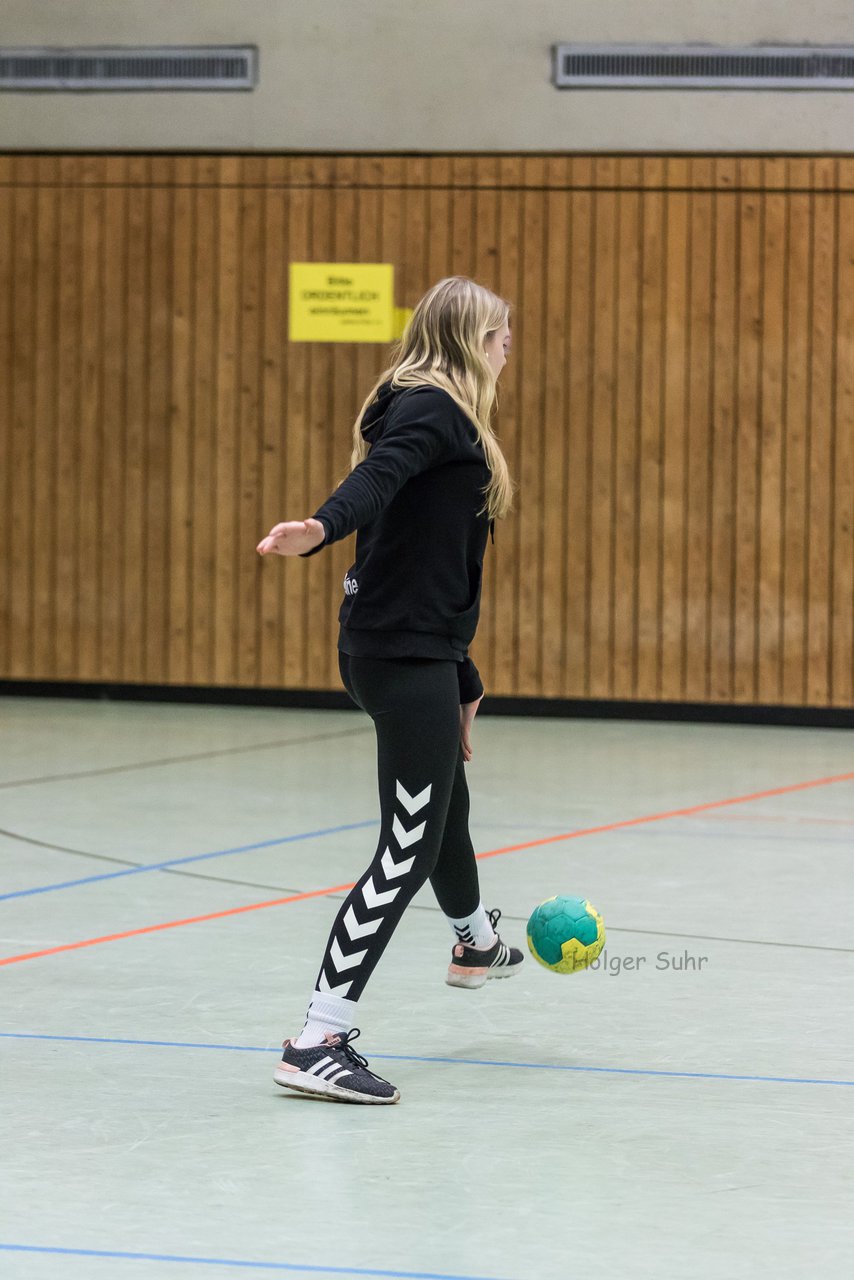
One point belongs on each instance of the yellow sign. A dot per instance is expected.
(342, 302)
(401, 320)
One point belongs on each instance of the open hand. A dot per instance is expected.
(468, 711)
(293, 538)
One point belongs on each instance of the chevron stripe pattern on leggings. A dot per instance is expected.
(375, 896)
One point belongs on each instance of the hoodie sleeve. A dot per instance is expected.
(418, 434)
(468, 678)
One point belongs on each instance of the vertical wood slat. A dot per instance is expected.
(44, 414)
(579, 442)
(181, 426)
(697, 438)
(842, 468)
(652, 286)
(823, 375)
(602, 416)
(69, 323)
(202, 507)
(22, 380)
(749, 339)
(90, 513)
(627, 458)
(675, 459)
(678, 411)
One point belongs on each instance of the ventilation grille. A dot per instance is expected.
(678, 66)
(222, 67)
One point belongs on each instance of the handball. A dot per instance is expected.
(565, 934)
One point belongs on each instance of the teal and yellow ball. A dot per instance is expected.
(565, 934)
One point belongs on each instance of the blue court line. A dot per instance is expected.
(194, 857)
(237, 1262)
(457, 1062)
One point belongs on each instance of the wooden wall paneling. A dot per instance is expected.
(842, 600)
(698, 435)
(269, 506)
(487, 239)
(247, 479)
(748, 400)
(504, 553)
(180, 425)
(601, 534)
(579, 429)
(461, 177)
(823, 381)
(721, 477)
(24, 256)
(68, 424)
(159, 442)
(203, 495)
(552, 639)
(226, 409)
(43, 437)
(365, 229)
(675, 428)
(647, 569)
(529, 602)
(113, 396)
(772, 432)
(149, 384)
(297, 502)
(797, 394)
(93, 585)
(626, 458)
(320, 415)
(7, 204)
(333, 178)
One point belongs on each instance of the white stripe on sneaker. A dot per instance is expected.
(343, 1072)
(328, 1071)
(316, 1067)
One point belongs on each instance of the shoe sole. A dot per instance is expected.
(474, 978)
(302, 1082)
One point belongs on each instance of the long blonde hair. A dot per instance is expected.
(443, 346)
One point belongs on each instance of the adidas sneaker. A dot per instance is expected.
(333, 1070)
(471, 966)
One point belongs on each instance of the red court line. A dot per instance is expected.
(491, 853)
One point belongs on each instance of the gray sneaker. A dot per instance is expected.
(471, 967)
(333, 1070)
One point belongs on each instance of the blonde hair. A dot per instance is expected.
(443, 346)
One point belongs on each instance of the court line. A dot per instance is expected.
(126, 1255)
(138, 868)
(492, 853)
(687, 811)
(456, 1062)
(196, 755)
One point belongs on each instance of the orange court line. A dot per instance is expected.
(491, 853)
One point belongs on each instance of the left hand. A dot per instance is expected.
(292, 538)
(468, 711)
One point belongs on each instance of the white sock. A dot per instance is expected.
(475, 930)
(325, 1013)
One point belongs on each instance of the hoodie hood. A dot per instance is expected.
(375, 413)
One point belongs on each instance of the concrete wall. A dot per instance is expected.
(424, 75)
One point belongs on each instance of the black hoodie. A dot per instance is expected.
(416, 501)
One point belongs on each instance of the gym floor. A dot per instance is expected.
(168, 875)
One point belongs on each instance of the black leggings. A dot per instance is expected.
(424, 810)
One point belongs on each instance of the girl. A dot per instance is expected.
(428, 479)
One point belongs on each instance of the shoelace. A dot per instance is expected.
(347, 1049)
(493, 917)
